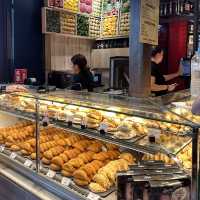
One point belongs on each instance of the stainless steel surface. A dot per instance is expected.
(37, 124)
(195, 159)
(39, 180)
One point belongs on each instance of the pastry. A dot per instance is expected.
(96, 188)
(46, 161)
(95, 147)
(66, 173)
(128, 157)
(82, 145)
(72, 153)
(94, 114)
(81, 182)
(102, 180)
(55, 167)
(81, 175)
(110, 146)
(15, 148)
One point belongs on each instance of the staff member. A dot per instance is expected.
(159, 84)
(83, 78)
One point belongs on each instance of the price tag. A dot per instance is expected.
(51, 174)
(103, 127)
(57, 115)
(65, 181)
(28, 163)
(93, 196)
(45, 121)
(84, 121)
(154, 133)
(2, 148)
(13, 155)
(69, 117)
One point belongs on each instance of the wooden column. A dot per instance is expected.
(139, 70)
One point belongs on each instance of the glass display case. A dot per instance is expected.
(78, 142)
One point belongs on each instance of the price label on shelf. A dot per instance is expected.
(28, 163)
(51, 174)
(65, 182)
(93, 196)
(13, 155)
(2, 148)
(69, 118)
(103, 127)
(152, 132)
(84, 121)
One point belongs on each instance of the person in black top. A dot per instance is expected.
(159, 84)
(83, 78)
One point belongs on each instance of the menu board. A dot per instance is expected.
(149, 21)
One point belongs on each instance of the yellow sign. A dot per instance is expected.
(149, 21)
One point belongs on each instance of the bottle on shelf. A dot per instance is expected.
(195, 74)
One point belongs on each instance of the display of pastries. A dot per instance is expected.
(89, 162)
(159, 157)
(106, 176)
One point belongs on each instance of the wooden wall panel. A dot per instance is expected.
(63, 48)
(101, 57)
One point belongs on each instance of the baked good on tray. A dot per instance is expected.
(106, 176)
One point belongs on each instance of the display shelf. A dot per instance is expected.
(18, 114)
(113, 38)
(57, 29)
(61, 111)
(70, 12)
(69, 36)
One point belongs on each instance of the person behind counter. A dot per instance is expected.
(83, 78)
(159, 84)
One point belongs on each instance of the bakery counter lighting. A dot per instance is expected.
(86, 162)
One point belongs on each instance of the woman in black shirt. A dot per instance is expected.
(83, 78)
(159, 84)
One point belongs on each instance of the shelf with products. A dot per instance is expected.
(114, 23)
(81, 123)
(88, 7)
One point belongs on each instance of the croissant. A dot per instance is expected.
(15, 148)
(73, 139)
(95, 147)
(102, 180)
(111, 146)
(72, 153)
(106, 155)
(82, 175)
(128, 157)
(82, 145)
(66, 173)
(46, 161)
(59, 160)
(81, 182)
(54, 167)
(96, 188)
(69, 168)
(86, 157)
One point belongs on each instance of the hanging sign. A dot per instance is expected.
(149, 21)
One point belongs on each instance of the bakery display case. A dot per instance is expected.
(77, 142)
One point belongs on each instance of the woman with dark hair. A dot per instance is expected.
(83, 78)
(159, 84)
